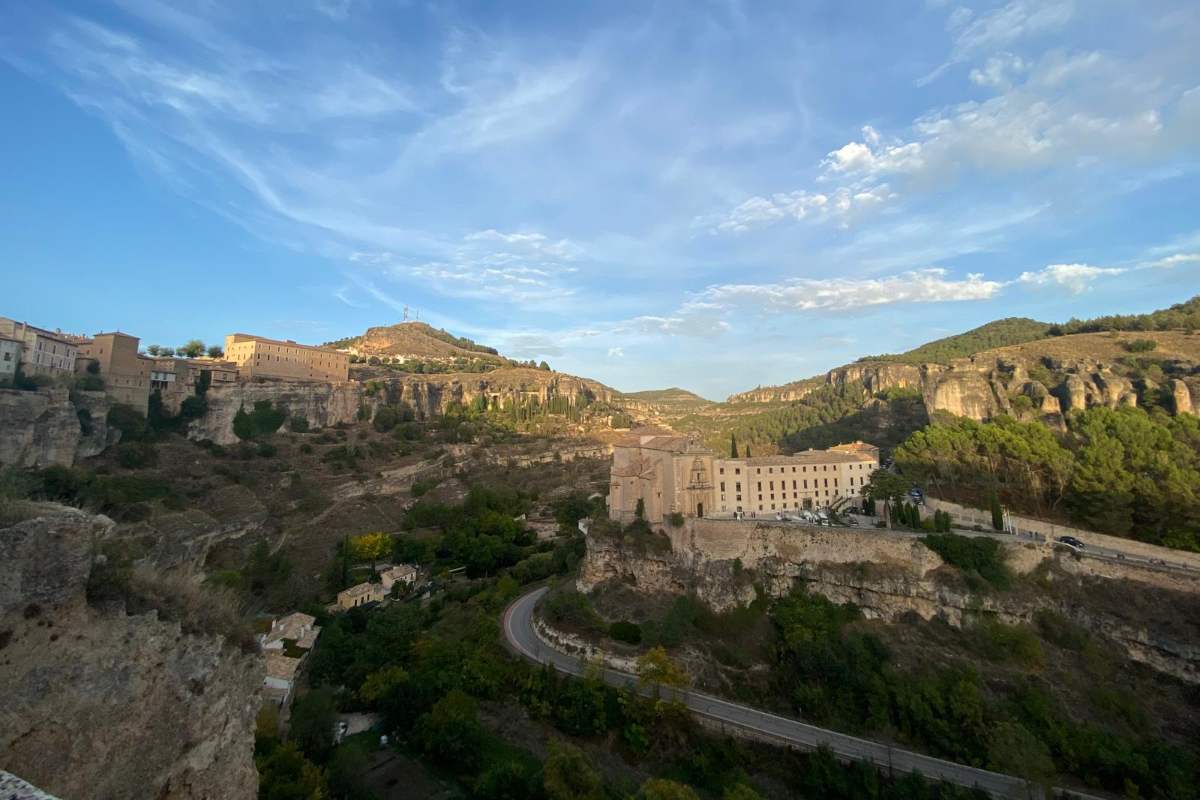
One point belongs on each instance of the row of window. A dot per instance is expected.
(783, 484)
(803, 468)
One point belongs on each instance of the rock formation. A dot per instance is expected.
(52, 426)
(890, 576)
(104, 704)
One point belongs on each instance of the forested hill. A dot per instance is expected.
(1181, 316)
(1000, 333)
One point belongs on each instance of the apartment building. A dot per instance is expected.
(668, 473)
(43, 352)
(259, 357)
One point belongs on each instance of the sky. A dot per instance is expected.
(711, 195)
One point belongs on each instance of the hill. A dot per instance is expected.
(1000, 333)
(1018, 367)
(413, 339)
(667, 397)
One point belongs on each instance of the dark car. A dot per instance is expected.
(1071, 542)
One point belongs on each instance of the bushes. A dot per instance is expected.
(978, 555)
(625, 631)
(265, 419)
(129, 421)
(136, 455)
(1140, 345)
(571, 609)
(676, 519)
(298, 425)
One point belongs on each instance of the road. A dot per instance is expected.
(522, 638)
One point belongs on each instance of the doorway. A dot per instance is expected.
(699, 509)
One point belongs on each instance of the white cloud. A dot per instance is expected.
(999, 72)
(1000, 27)
(931, 285)
(843, 206)
(1171, 261)
(616, 352)
(1075, 278)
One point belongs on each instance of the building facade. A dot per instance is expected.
(671, 474)
(176, 379)
(258, 357)
(126, 372)
(43, 352)
(10, 357)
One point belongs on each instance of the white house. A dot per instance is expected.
(281, 677)
(296, 627)
(401, 573)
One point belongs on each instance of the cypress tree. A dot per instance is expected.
(747, 451)
(997, 511)
(733, 445)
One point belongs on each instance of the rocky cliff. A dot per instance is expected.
(890, 576)
(1054, 376)
(326, 404)
(98, 703)
(52, 426)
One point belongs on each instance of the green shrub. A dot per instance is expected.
(266, 450)
(974, 555)
(306, 448)
(1140, 345)
(298, 424)
(129, 421)
(193, 407)
(625, 631)
(999, 642)
(136, 455)
(265, 419)
(676, 519)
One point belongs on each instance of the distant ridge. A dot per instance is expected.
(998, 333)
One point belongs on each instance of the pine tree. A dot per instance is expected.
(747, 451)
(733, 453)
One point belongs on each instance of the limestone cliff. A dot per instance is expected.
(52, 426)
(104, 704)
(326, 404)
(890, 576)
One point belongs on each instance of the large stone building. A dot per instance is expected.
(43, 352)
(258, 357)
(671, 474)
(125, 371)
(176, 379)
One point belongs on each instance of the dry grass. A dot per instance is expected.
(199, 610)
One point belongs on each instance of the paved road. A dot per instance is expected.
(521, 637)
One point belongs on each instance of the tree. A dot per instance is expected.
(311, 726)
(747, 451)
(639, 510)
(733, 451)
(567, 775)
(192, 349)
(663, 789)
(1014, 750)
(741, 791)
(286, 774)
(158, 349)
(997, 511)
(216, 352)
(544, 366)
(656, 669)
(370, 547)
(450, 732)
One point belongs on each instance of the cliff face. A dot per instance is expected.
(326, 404)
(100, 704)
(890, 576)
(38, 429)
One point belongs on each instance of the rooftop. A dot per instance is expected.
(360, 589)
(281, 667)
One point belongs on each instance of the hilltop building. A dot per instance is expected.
(42, 352)
(259, 357)
(672, 474)
(125, 371)
(176, 379)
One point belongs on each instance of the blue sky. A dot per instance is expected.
(709, 195)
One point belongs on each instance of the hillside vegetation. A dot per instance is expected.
(1000, 333)
(1124, 471)
(1181, 316)
(413, 339)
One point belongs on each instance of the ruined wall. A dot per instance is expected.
(1153, 614)
(100, 704)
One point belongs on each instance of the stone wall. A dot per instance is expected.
(101, 704)
(968, 517)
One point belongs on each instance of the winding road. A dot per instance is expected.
(522, 638)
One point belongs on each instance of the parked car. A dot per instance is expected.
(1071, 542)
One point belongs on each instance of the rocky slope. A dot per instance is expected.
(52, 426)
(890, 576)
(101, 704)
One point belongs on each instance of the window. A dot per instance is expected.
(722, 486)
(737, 470)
